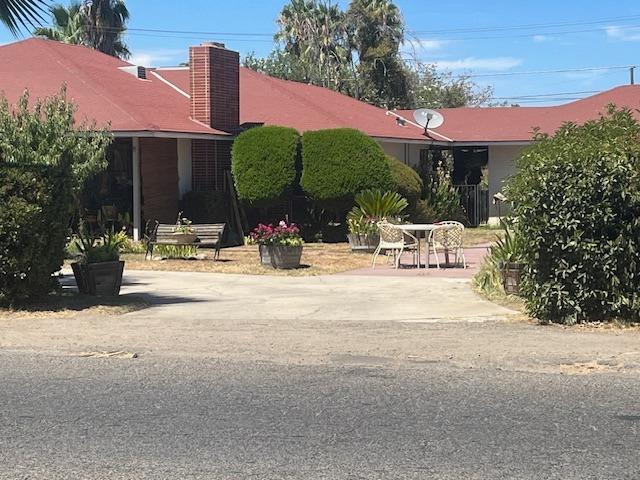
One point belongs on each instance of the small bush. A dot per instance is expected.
(407, 181)
(206, 207)
(264, 164)
(338, 164)
(577, 203)
(442, 200)
(36, 205)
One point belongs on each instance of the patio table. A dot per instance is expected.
(417, 229)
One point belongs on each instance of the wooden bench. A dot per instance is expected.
(208, 235)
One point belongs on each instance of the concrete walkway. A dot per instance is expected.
(348, 298)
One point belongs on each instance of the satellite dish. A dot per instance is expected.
(427, 118)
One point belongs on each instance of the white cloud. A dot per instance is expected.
(420, 47)
(625, 34)
(541, 38)
(474, 63)
(155, 58)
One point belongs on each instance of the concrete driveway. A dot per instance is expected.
(328, 298)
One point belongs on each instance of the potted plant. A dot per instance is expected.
(99, 270)
(280, 247)
(372, 206)
(261, 236)
(183, 232)
(509, 256)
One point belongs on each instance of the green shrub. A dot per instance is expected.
(577, 203)
(206, 207)
(264, 164)
(441, 202)
(46, 159)
(338, 164)
(35, 209)
(407, 181)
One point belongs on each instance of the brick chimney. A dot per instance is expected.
(215, 86)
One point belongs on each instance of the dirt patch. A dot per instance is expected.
(71, 305)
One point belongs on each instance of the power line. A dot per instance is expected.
(547, 95)
(534, 72)
(528, 26)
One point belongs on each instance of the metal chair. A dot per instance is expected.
(447, 237)
(394, 239)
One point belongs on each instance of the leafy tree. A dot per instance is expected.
(99, 24)
(21, 13)
(279, 64)
(434, 89)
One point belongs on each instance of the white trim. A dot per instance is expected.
(137, 191)
(167, 82)
(150, 134)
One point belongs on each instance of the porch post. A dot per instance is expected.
(137, 194)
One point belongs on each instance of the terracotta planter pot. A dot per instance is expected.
(100, 279)
(363, 243)
(511, 274)
(284, 257)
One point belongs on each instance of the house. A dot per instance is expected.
(174, 127)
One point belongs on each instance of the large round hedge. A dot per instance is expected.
(340, 163)
(264, 163)
(406, 180)
(577, 202)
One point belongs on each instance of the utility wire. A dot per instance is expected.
(528, 26)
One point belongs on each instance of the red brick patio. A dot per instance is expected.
(474, 256)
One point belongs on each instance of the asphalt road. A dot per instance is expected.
(197, 418)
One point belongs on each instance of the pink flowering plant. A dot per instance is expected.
(282, 234)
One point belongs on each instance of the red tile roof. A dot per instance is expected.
(273, 101)
(516, 124)
(95, 82)
(105, 93)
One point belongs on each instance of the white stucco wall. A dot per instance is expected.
(502, 164)
(184, 166)
(408, 153)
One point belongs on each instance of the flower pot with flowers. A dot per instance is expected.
(280, 246)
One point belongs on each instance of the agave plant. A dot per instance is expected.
(373, 206)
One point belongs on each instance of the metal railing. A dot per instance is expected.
(475, 201)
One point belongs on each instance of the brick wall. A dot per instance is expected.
(215, 86)
(159, 172)
(210, 159)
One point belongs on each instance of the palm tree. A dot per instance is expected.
(106, 23)
(98, 24)
(21, 13)
(68, 25)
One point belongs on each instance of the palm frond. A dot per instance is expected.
(18, 14)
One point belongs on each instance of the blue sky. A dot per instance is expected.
(452, 33)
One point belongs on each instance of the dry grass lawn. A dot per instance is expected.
(317, 259)
(69, 305)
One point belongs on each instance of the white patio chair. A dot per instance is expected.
(449, 238)
(396, 240)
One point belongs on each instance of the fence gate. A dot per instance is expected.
(475, 201)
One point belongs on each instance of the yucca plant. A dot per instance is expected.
(373, 206)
